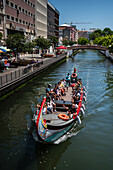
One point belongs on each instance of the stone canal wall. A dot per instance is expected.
(107, 54)
(17, 77)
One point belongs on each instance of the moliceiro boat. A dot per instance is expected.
(51, 126)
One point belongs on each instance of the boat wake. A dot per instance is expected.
(65, 137)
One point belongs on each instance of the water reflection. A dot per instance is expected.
(87, 144)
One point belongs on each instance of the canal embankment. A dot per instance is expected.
(14, 78)
(107, 54)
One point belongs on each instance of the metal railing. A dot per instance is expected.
(26, 70)
(16, 74)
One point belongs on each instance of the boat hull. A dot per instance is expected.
(50, 135)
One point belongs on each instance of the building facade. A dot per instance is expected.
(2, 18)
(67, 32)
(41, 18)
(29, 17)
(52, 21)
(20, 17)
(82, 34)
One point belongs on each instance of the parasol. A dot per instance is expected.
(61, 47)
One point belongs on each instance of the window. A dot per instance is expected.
(19, 8)
(26, 23)
(8, 17)
(23, 10)
(26, 11)
(20, 20)
(7, 2)
(11, 4)
(23, 22)
(28, 2)
(16, 19)
(29, 13)
(0, 21)
(33, 6)
(12, 18)
(15, 6)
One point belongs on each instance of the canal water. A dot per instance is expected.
(89, 147)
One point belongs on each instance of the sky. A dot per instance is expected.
(98, 12)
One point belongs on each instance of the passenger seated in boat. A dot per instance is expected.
(71, 109)
(57, 95)
(76, 99)
(62, 88)
(64, 83)
(49, 90)
(79, 82)
(49, 100)
(49, 108)
(44, 110)
(61, 92)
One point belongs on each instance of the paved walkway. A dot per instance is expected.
(25, 57)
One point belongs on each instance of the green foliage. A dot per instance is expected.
(42, 42)
(104, 41)
(104, 38)
(1, 35)
(29, 47)
(97, 33)
(107, 31)
(94, 35)
(54, 40)
(111, 49)
(72, 43)
(83, 41)
(65, 42)
(16, 42)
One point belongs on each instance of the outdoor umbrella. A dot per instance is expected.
(3, 50)
(61, 47)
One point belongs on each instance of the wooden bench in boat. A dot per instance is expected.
(53, 120)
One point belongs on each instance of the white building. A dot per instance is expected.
(41, 18)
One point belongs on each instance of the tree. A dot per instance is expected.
(71, 42)
(97, 33)
(94, 35)
(54, 40)
(65, 42)
(107, 31)
(83, 41)
(16, 42)
(42, 42)
(111, 49)
(29, 47)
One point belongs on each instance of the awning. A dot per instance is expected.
(61, 47)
